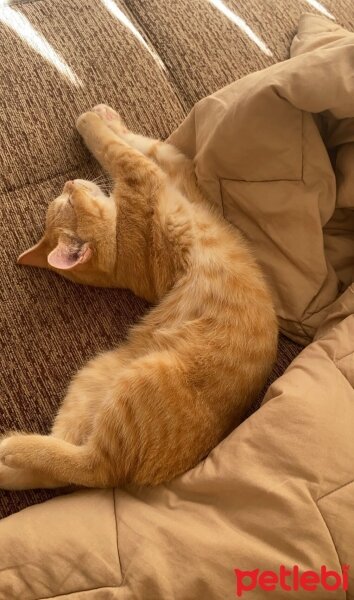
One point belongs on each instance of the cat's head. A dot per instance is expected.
(79, 240)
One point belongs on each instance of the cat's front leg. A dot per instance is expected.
(116, 156)
(167, 157)
(113, 120)
(97, 136)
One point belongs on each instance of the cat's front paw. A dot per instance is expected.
(106, 112)
(86, 121)
(111, 117)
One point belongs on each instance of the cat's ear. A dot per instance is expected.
(35, 256)
(66, 256)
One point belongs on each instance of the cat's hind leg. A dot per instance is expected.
(72, 424)
(75, 420)
(70, 427)
(25, 479)
(54, 459)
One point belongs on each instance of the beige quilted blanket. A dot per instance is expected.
(278, 493)
(275, 152)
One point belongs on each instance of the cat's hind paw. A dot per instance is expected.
(9, 447)
(18, 449)
(12, 479)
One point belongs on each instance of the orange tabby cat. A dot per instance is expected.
(154, 407)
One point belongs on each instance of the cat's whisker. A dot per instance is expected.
(92, 174)
(102, 184)
(98, 180)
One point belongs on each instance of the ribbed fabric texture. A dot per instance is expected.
(58, 58)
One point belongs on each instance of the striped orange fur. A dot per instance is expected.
(154, 407)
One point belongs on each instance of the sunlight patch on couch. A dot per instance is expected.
(124, 20)
(23, 28)
(234, 18)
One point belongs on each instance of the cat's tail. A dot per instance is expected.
(55, 460)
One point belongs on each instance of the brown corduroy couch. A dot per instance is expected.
(150, 59)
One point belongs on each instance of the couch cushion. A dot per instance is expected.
(60, 57)
(50, 327)
(207, 44)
